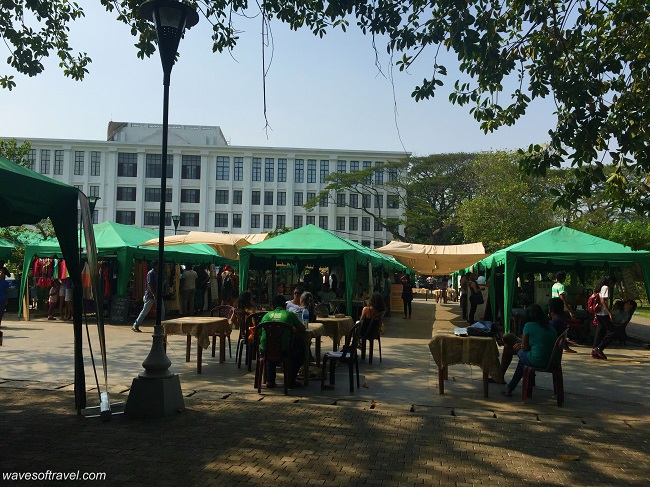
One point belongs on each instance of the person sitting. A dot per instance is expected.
(297, 351)
(294, 304)
(246, 302)
(326, 295)
(535, 347)
(369, 312)
(623, 311)
(556, 311)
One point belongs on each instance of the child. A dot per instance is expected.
(53, 300)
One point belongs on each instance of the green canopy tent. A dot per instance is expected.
(123, 242)
(6, 248)
(304, 246)
(558, 248)
(28, 197)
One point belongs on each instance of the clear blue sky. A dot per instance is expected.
(321, 93)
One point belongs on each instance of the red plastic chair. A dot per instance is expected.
(274, 352)
(554, 367)
(372, 333)
(348, 354)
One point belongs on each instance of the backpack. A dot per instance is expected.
(593, 303)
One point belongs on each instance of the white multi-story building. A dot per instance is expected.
(214, 186)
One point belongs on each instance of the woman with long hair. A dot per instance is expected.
(536, 346)
(369, 312)
(605, 329)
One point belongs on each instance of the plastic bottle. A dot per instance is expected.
(305, 317)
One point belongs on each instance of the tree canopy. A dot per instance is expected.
(589, 56)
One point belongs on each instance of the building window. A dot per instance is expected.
(297, 221)
(341, 167)
(127, 165)
(125, 217)
(354, 166)
(268, 221)
(324, 201)
(392, 201)
(367, 165)
(311, 170)
(392, 175)
(45, 161)
(365, 223)
(324, 170)
(379, 201)
(31, 158)
(354, 200)
(298, 198)
(255, 198)
(236, 220)
(153, 166)
(378, 243)
(365, 201)
(340, 200)
(268, 198)
(310, 195)
(78, 163)
(340, 223)
(221, 197)
(269, 169)
(237, 197)
(282, 198)
(353, 224)
(221, 220)
(378, 227)
(95, 163)
(322, 222)
(257, 169)
(311, 220)
(365, 243)
(379, 174)
(126, 193)
(189, 219)
(299, 171)
(153, 194)
(239, 169)
(93, 191)
(223, 168)
(58, 162)
(281, 221)
(191, 169)
(153, 218)
(255, 221)
(282, 170)
(80, 187)
(190, 195)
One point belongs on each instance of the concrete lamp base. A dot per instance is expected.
(155, 398)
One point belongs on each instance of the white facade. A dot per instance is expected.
(214, 186)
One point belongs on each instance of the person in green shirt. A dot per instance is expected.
(558, 291)
(536, 345)
(296, 353)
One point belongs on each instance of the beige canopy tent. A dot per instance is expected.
(434, 260)
(225, 244)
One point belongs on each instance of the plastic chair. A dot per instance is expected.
(322, 311)
(372, 333)
(274, 353)
(223, 312)
(348, 354)
(244, 343)
(554, 367)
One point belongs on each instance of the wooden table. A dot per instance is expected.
(448, 349)
(314, 331)
(335, 328)
(201, 327)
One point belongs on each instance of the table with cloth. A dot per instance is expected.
(335, 328)
(202, 328)
(448, 349)
(340, 306)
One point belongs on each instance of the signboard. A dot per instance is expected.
(120, 309)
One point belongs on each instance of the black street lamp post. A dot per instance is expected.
(156, 391)
(176, 220)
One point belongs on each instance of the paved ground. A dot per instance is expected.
(395, 430)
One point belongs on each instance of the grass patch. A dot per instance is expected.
(643, 312)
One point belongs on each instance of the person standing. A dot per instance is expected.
(188, 278)
(475, 298)
(464, 291)
(605, 329)
(558, 291)
(385, 293)
(556, 313)
(149, 297)
(202, 282)
(53, 299)
(4, 286)
(407, 296)
(442, 285)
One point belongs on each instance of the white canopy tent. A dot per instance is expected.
(435, 260)
(225, 244)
